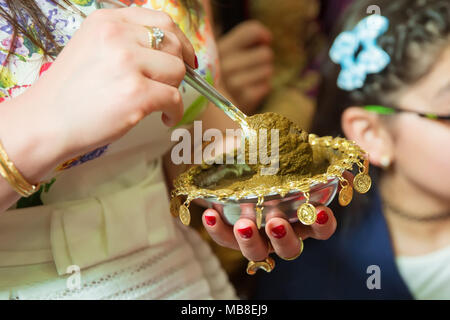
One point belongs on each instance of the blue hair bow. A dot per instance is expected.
(371, 59)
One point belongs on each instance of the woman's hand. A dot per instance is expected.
(102, 84)
(247, 64)
(283, 236)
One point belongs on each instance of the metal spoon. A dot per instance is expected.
(198, 83)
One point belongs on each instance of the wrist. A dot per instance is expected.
(28, 142)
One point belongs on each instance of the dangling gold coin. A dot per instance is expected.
(175, 204)
(307, 214)
(185, 215)
(259, 217)
(362, 182)
(345, 195)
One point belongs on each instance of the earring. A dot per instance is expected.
(385, 162)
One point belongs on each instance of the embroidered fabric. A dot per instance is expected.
(184, 269)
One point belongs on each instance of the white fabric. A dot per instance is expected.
(125, 242)
(87, 231)
(172, 271)
(427, 276)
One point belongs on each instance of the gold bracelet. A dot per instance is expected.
(14, 177)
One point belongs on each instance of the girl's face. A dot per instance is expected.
(422, 146)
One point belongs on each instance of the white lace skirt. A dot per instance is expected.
(184, 269)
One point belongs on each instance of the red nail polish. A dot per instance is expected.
(278, 232)
(210, 220)
(246, 233)
(322, 217)
(45, 67)
(196, 62)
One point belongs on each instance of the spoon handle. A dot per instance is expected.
(198, 83)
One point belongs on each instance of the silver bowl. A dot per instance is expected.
(287, 201)
(274, 205)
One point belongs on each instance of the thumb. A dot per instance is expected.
(245, 35)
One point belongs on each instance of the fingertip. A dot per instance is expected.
(324, 208)
(273, 223)
(243, 223)
(190, 56)
(267, 36)
(210, 217)
(322, 217)
(210, 220)
(167, 120)
(325, 224)
(284, 239)
(260, 29)
(218, 230)
(210, 212)
(244, 228)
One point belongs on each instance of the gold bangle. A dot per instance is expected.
(14, 177)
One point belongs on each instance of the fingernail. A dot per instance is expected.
(246, 233)
(210, 220)
(278, 232)
(322, 217)
(196, 62)
(168, 121)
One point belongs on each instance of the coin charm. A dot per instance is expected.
(345, 195)
(306, 213)
(259, 217)
(362, 182)
(175, 205)
(185, 215)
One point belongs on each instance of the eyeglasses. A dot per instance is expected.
(392, 110)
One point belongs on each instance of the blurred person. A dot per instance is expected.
(270, 64)
(82, 92)
(85, 152)
(388, 81)
(266, 53)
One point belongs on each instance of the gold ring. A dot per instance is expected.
(155, 37)
(298, 255)
(267, 265)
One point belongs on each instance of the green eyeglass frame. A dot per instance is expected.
(392, 110)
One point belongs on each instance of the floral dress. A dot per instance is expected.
(106, 213)
(16, 77)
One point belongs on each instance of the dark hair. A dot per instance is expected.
(418, 32)
(21, 14)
